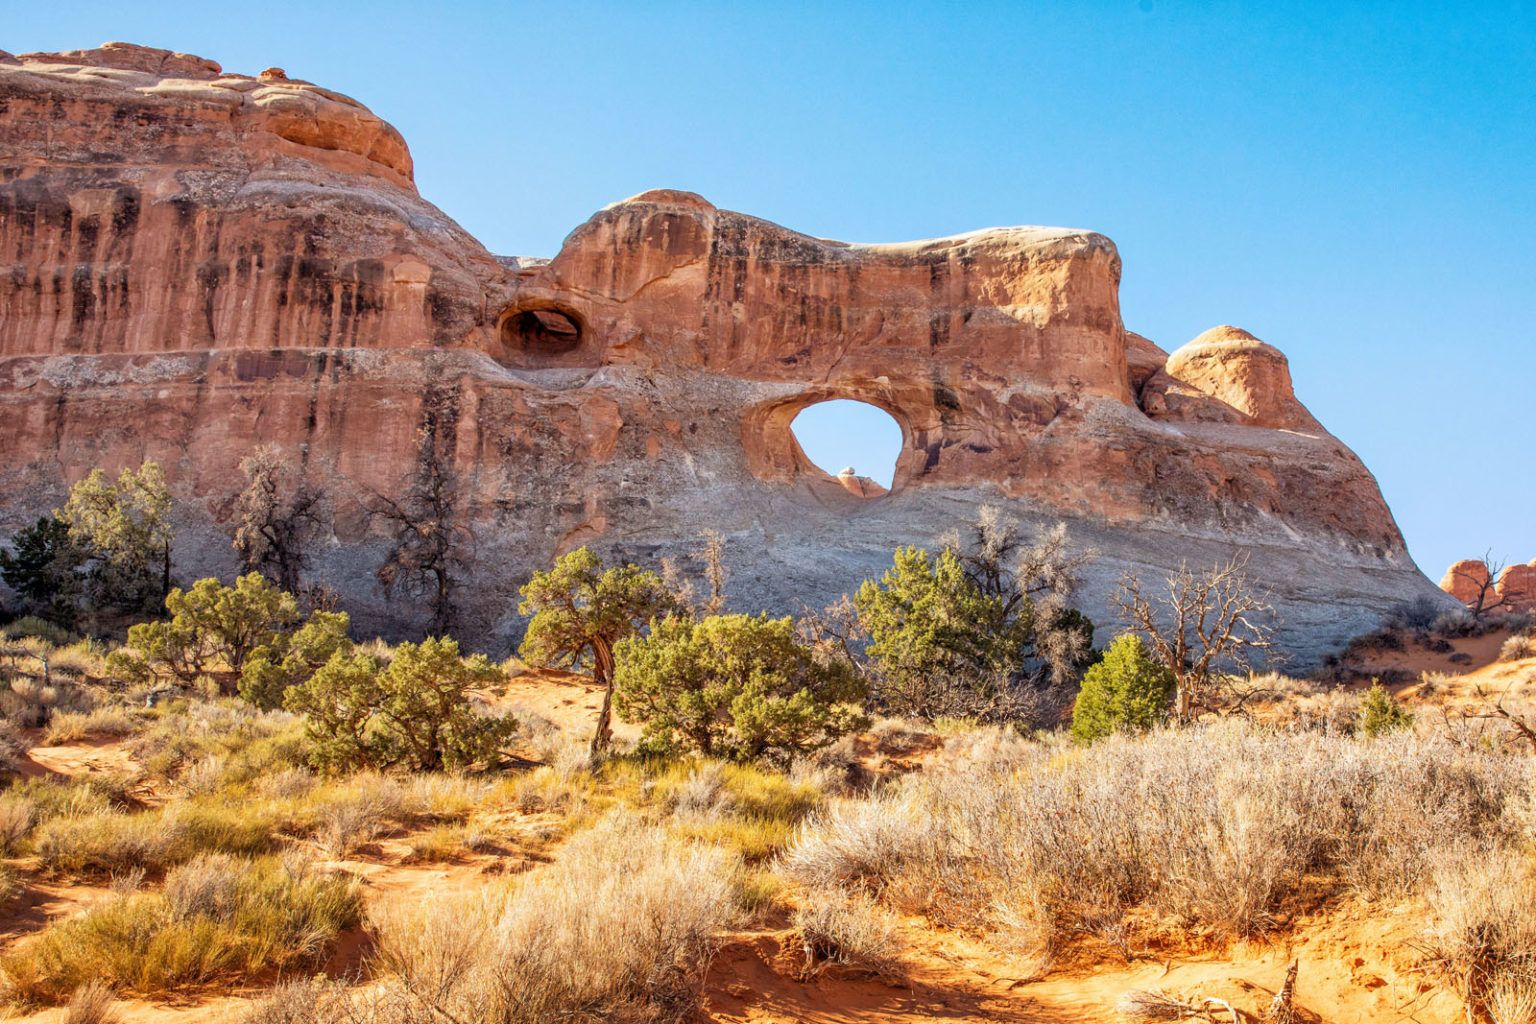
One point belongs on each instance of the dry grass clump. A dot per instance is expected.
(216, 918)
(92, 1003)
(1521, 645)
(900, 736)
(851, 928)
(1216, 829)
(17, 816)
(107, 842)
(352, 812)
(1483, 938)
(747, 809)
(319, 1001)
(31, 699)
(621, 927)
(247, 744)
(70, 726)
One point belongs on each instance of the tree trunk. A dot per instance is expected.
(1184, 702)
(602, 674)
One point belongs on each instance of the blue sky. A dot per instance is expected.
(1356, 186)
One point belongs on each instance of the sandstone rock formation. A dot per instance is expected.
(1514, 591)
(194, 262)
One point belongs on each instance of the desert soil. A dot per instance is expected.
(1357, 963)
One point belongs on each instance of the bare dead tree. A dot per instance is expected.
(1040, 574)
(1207, 620)
(1003, 564)
(676, 580)
(1518, 721)
(678, 575)
(834, 633)
(276, 518)
(715, 571)
(1484, 581)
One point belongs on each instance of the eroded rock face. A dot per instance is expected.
(1513, 591)
(196, 262)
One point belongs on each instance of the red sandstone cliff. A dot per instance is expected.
(194, 262)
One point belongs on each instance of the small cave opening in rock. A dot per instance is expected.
(543, 331)
(855, 443)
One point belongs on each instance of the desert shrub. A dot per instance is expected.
(1521, 645)
(291, 659)
(17, 816)
(92, 1003)
(344, 825)
(941, 645)
(733, 686)
(622, 925)
(287, 784)
(69, 726)
(314, 1001)
(1417, 614)
(860, 842)
(1380, 712)
(209, 626)
(1459, 623)
(216, 919)
(1216, 828)
(13, 746)
(1128, 691)
(1483, 932)
(848, 928)
(416, 711)
(38, 628)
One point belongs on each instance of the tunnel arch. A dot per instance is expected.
(855, 442)
(775, 453)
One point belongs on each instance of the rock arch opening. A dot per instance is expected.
(542, 331)
(855, 443)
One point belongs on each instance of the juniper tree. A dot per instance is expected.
(580, 610)
(736, 686)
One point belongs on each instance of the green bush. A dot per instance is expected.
(415, 712)
(125, 531)
(290, 659)
(941, 645)
(210, 626)
(736, 686)
(1380, 713)
(43, 568)
(217, 918)
(1127, 691)
(579, 610)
